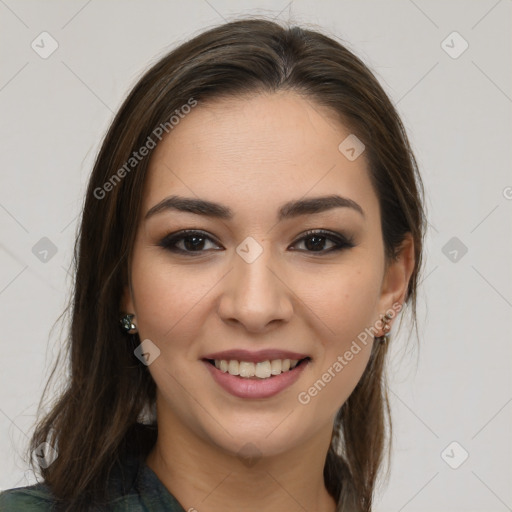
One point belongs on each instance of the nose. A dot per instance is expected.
(256, 295)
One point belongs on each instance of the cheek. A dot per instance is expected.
(344, 301)
(344, 304)
(167, 297)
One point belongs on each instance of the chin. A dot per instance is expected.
(254, 436)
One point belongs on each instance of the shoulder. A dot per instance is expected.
(33, 498)
(132, 485)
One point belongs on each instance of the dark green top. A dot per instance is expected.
(136, 489)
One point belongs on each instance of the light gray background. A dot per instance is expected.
(457, 387)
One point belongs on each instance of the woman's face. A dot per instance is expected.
(250, 285)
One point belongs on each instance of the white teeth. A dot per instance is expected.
(233, 367)
(262, 370)
(275, 367)
(246, 369)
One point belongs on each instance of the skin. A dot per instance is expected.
(253, 154)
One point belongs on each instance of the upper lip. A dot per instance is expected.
(255, 356)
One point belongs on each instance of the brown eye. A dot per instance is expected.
(315, 241)
(191, 241)
(187, 242)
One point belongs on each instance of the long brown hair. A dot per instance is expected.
(97, 418)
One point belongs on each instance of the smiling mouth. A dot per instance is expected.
(260, 370)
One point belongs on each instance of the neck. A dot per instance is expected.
(206, 478)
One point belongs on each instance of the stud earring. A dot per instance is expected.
(127, 325)
(385, 328)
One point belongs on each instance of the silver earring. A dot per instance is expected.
(127, 325)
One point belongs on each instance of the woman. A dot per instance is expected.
(254, 219)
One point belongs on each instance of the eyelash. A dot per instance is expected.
(342, 242)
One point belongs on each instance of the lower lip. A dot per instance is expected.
(253, 387)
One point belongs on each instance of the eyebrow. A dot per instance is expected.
(289, 210)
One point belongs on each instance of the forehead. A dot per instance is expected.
(255, 151)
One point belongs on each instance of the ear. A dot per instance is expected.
(126, 304)
(397, 275)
